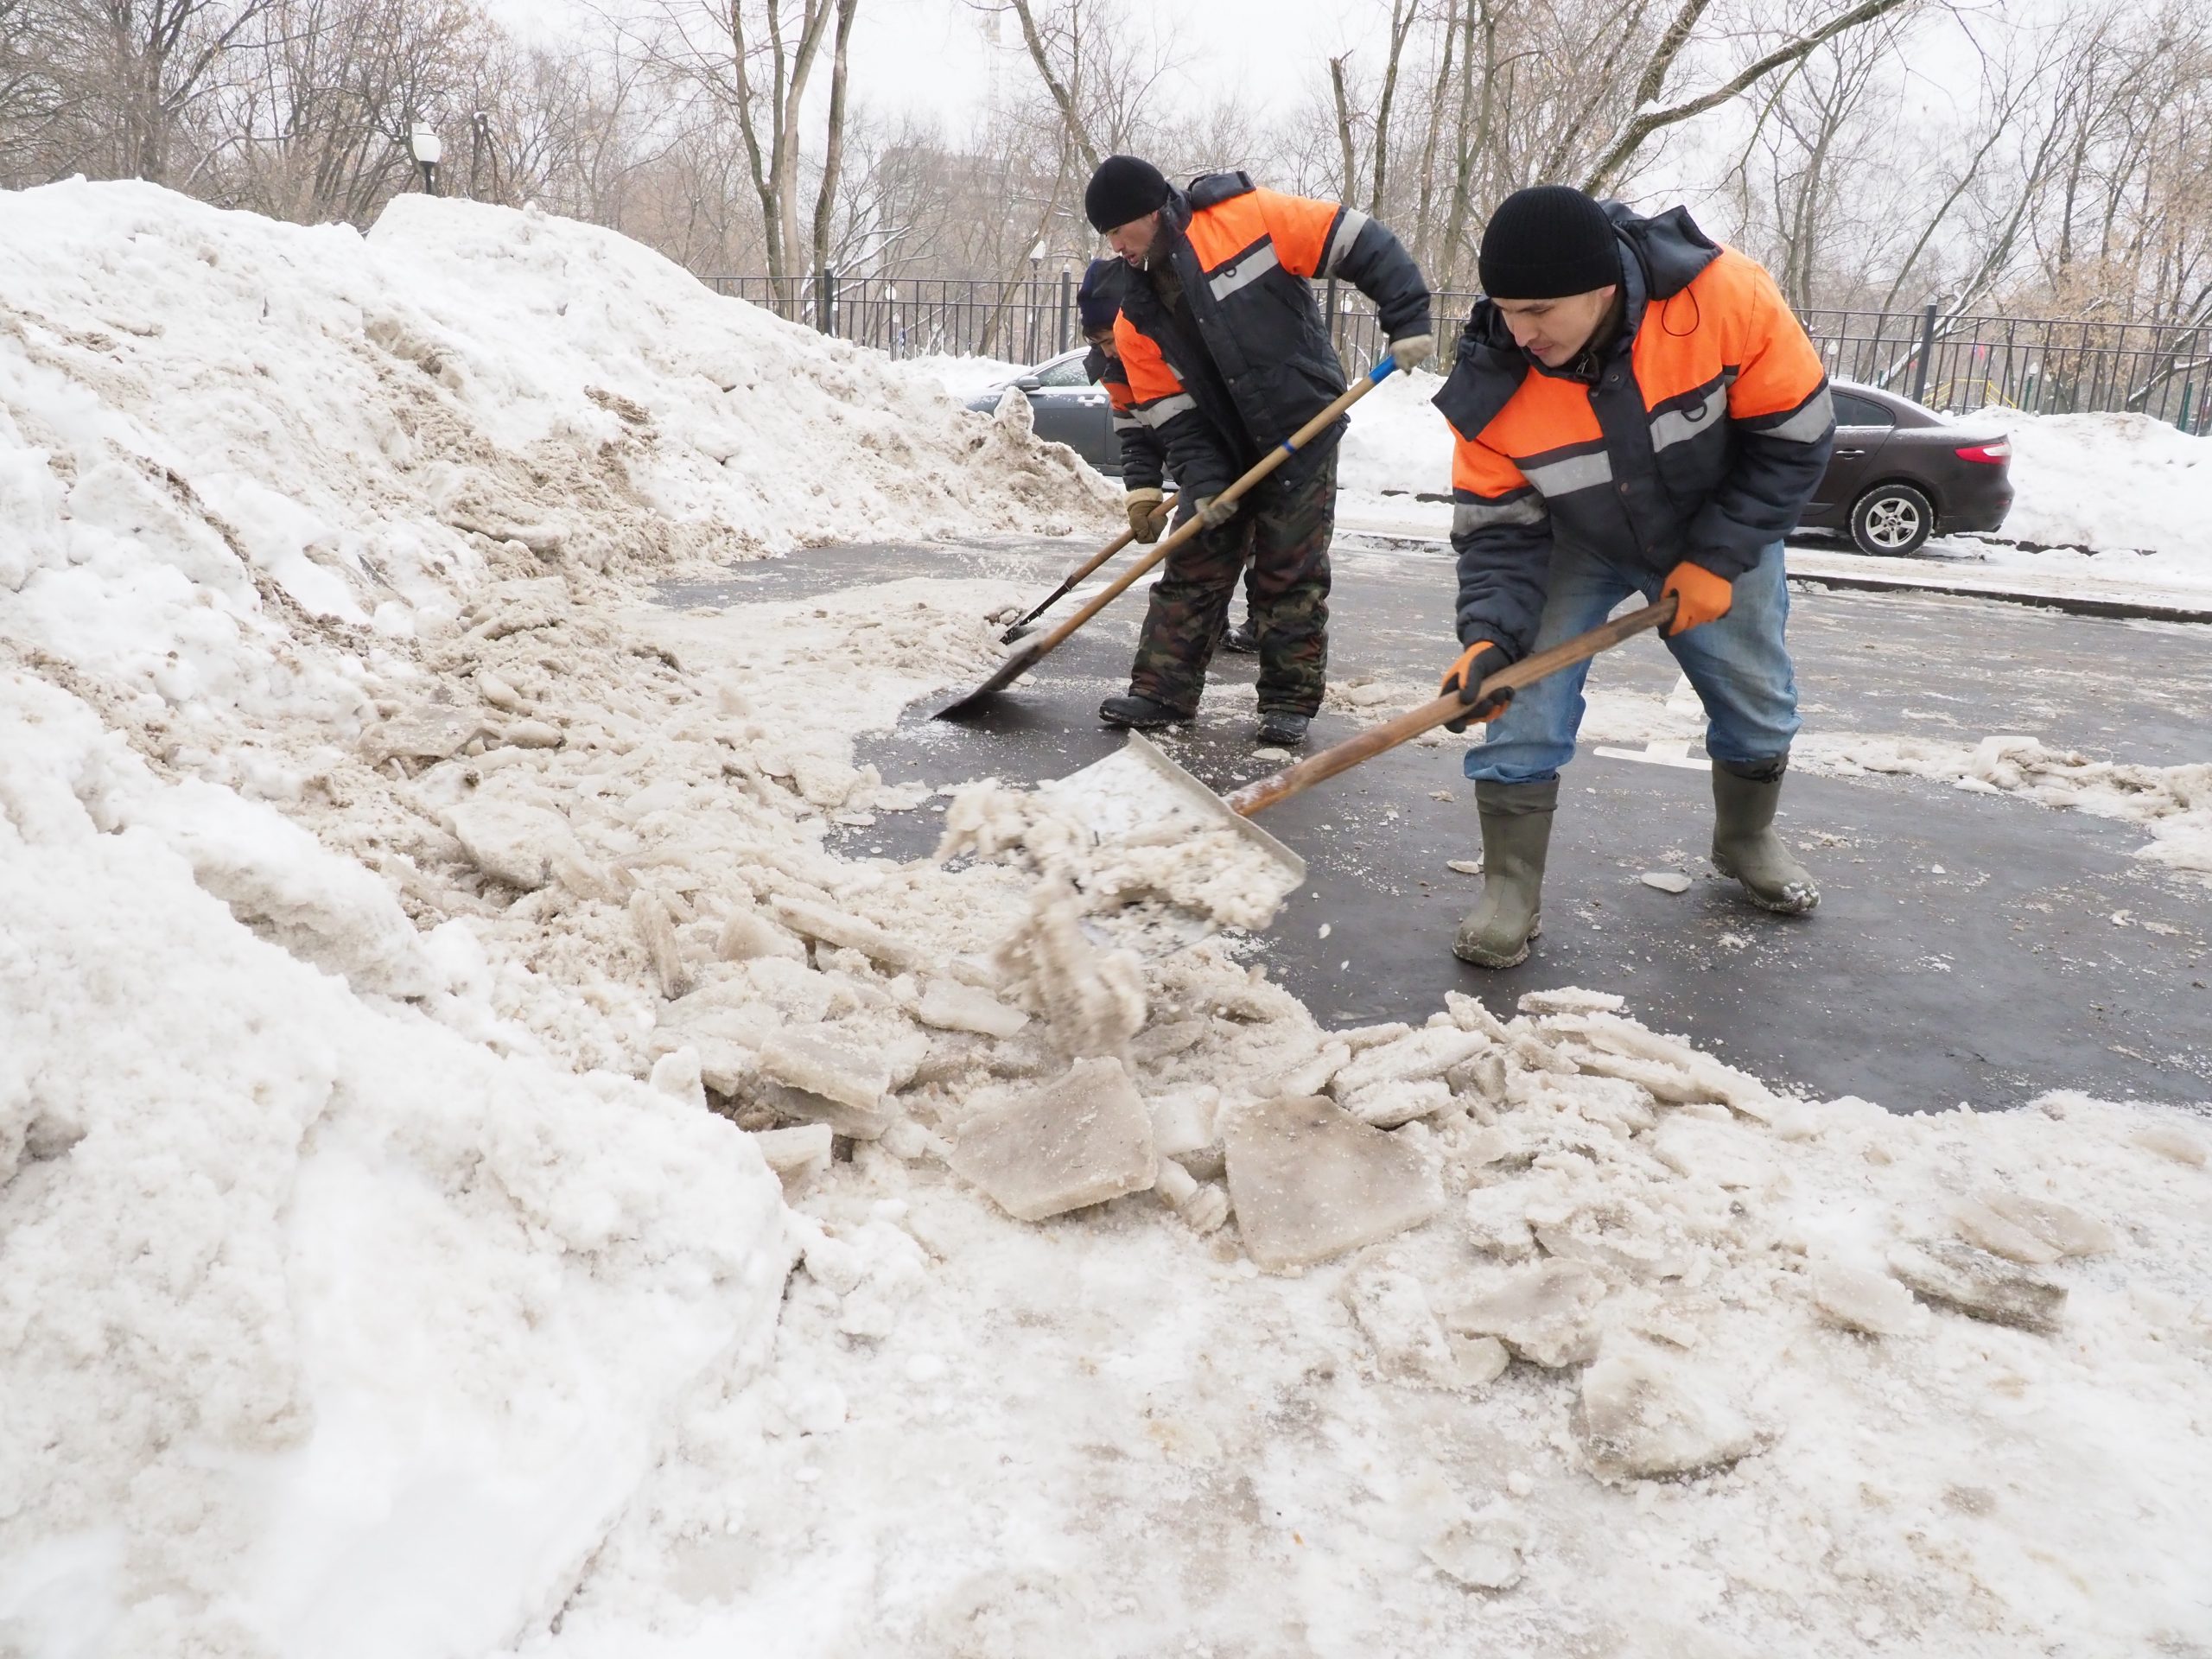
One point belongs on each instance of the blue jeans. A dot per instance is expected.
(1738, 666)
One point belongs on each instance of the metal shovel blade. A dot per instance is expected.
(1018, 662)
(1137, 796)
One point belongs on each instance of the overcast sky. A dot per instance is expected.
(936, 57)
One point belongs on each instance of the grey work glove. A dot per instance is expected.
(1412, 351)
(1147, 516)
(1213, 512)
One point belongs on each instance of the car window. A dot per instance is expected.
(1066, 372)
(1860, 411)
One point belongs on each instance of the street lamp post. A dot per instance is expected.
(1036, 263)
(428, 151)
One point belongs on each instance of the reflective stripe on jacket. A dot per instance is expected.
(1144, 456)
(1240, 258)
(1700, 432)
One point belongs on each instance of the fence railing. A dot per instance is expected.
(2046, 365)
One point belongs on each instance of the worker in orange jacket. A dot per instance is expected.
(1636, 411)
(1228, 356)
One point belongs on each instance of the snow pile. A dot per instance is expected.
(1680, 1366)
(963, 377)
(2173, 803)
(2110, 484)
(329, 1329)
(1398, 442)
(345, 873)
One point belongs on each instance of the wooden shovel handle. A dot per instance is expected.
(1095, 561)
(1190, 526)
(1264, 792)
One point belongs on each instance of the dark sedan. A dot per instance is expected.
(1902, 473)
(1065, 408)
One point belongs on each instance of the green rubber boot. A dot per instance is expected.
(1516, 821)
(1745, 847)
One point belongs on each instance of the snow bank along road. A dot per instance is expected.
(2110, 509)
(408, 937)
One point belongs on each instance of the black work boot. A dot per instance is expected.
(1140, 712)
(1244, 638)
(1745, 846)
(1516, 821)
(1280, 729)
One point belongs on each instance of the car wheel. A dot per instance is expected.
(1892, 520)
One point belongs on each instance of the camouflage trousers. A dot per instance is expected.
(1283, 533)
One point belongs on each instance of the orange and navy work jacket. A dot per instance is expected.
(1226, 351)
(1144, 457)
(1698, 433)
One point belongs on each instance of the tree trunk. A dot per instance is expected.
(833, 161)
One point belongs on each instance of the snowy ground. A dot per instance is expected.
(403, 928)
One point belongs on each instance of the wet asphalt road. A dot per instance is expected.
(1967, 948)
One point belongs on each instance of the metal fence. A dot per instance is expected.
(2046, 365)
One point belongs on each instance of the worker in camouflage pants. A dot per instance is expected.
(1288, 589)
(1228, 358)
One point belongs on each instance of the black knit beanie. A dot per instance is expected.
(1546, 242)
(1121, 189)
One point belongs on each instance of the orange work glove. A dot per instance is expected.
(1699, 596)
(1465, 678)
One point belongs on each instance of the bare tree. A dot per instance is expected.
(1651, 115)
(134, 70)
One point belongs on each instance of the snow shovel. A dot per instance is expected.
(1021, 626)
(1137, 795)
(1027, 655)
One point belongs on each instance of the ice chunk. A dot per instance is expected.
(1546, 1313)
(1666, 881)
(531, 734)
(1183, 1121)
(2065, 1228)
(1309, 1181)
(1417, 1057)
(2171, 1140)
(1316, 1074)
(1468, 1014)
(1081, 1139)
(1482, 1552)
(649, 915)
(1981, 1226)
(834, 1081)
(1639, 1416)
(1720, 1153)
(1497, 1220)
(1392, 1312)
(1203, 1206)
(835, 927)
(1387, 1105)
(427, 733)
(1481, 1360)
(798, 1155)
(1571, 999)
(1978, 1284)
(1859, 1298)
(949, 1006)
(511, 841)
(748, 935)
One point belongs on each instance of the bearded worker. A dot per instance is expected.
(1636, 411)
(1227, 356)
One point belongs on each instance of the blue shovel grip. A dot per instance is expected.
(1382, 371)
